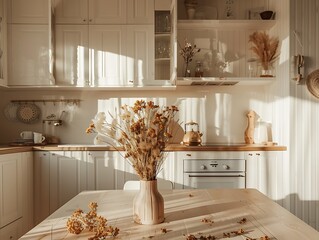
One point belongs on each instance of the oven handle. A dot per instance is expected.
(216, 175)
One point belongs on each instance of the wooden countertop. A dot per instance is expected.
(170, 148)
(196, 211)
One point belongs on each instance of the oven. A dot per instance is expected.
(214, 173)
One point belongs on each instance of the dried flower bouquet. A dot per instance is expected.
(188, 52)
(143, 131)
(265, 47)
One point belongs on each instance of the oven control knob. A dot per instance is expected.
(226, 167)
(203, 167)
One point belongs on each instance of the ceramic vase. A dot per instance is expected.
(190, 6)
(148, 204)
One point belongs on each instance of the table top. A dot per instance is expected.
(198, 212)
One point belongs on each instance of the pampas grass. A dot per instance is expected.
(265, 47)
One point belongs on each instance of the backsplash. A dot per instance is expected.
(220, 112)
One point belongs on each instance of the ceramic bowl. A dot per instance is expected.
(266, 15)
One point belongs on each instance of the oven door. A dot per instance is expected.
(214, 180)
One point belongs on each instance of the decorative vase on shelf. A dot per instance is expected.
(267, 70)
(187, 71)
(148, 204)
(190, 6)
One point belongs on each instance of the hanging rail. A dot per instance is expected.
(74, 101)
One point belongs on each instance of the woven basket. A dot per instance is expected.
(313, 83)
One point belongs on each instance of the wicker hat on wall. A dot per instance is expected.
(313, 83)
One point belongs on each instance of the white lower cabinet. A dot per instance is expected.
(27, 191)
(16, 195)
(10, 188)
(11, 231)
(262, 173)
(41, 186)
(61, 175)
(108, 169)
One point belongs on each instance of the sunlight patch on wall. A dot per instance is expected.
(284, 51)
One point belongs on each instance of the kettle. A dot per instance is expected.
(191, 137)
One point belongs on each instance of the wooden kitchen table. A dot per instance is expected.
(206, 212)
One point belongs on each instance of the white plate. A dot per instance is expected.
(28, 113)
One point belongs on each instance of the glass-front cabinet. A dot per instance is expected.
(165, 41)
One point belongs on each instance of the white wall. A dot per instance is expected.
(304, 115)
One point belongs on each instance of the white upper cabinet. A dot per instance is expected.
(29, 43)
(108, 55)
(140, 11)
(107, 11)
(90, 11)
(29, 11)
(72, 55)
(104, 43)
(104, 11)
(71, 11)
(28, 55)
(140, 55)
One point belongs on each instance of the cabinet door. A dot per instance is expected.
(109, 169)
(107, 55)
(140, 11)
(68, 176)
(3, 44)
(72, 55)
(10, 188)
(140, 54)
(30, 65)
(107, 12)
(27, 192)
(29, 11)
(41, 186)
(71, 11)
(11, 231)
(262, 174)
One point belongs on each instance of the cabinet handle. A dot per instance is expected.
(258, 154)
(84, 20)
(11, 237)
(250, 154)
(130, 81)
(53, 154)
(188, 155)
(90, 20)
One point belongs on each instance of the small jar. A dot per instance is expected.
(199, 70)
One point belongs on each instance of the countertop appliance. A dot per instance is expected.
(214, 172)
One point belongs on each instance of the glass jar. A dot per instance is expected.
(199, 70)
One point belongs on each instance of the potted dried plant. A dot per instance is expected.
(266, 49)
(142, 131)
